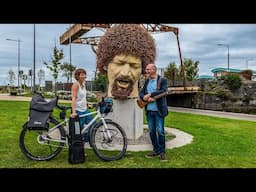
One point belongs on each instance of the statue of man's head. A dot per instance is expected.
(123, 53)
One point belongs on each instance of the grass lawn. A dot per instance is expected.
(217, 143)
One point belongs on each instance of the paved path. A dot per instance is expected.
(181, 139)
(241, 116)
(7, 97)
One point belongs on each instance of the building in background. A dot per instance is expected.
(220, 72)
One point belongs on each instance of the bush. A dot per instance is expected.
(233, 81)
(48, 94)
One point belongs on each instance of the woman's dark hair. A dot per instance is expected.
(78, 72)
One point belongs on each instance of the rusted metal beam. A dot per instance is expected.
(74, 32)
(77, 30)
(167, 28)
(160, 28)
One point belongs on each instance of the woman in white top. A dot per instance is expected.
(79, 103)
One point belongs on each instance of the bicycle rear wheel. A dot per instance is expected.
(109, 149)
(41, 145)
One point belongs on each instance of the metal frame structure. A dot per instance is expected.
(74, 33)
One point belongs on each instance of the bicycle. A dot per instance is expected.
(107, 139)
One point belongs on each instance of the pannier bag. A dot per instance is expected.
(106, 105)
(40, 111)
(75, 143)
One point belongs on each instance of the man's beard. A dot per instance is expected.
(120, 92)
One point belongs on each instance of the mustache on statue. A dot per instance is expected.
(126, 79)
(122, 87)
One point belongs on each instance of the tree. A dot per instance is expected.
(55, 64)
(11, 76)
(191, 69)
(41, 76)
(171, 73)
(68, 70)
(101, 81)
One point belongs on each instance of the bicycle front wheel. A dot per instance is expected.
(109, 143)
(41, 145)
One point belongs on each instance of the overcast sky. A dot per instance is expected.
(198, 42)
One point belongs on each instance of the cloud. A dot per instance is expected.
(197, 42)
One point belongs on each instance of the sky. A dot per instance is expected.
(197, 42)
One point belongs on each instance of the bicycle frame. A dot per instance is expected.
(98, 116)
(86, 126)
(84, 129)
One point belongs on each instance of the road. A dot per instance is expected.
(222, 114)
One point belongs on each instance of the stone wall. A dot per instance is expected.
(220, 98)
(215, 96)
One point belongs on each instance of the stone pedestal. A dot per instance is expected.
(129, 116)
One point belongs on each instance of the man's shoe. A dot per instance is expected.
(163, 157)
(152, 154)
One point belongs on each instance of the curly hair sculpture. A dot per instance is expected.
(127, 39)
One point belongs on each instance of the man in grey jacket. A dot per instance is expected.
(156, 110)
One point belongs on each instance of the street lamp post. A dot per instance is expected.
(70, 58)
(247, 60)
(34, 59)
(17, 40)
(95, 73)
(226, 45)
